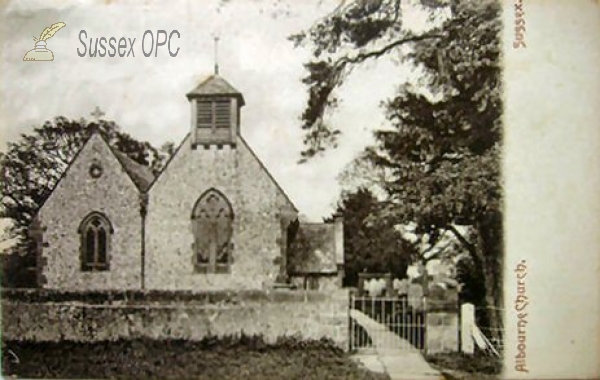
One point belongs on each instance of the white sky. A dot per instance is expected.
(146, 96)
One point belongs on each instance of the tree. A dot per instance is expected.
(353, 33)
(442, 147)
(371, 244)
(168, 149)
(32, 166)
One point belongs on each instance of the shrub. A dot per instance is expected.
(478, 363)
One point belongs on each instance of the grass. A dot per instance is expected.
(459, 366)
(225, 358)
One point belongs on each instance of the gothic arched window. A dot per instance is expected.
(212, 225)
(95, 232)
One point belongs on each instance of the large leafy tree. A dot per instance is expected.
(441, 151)
(371, 244)
(31, 167)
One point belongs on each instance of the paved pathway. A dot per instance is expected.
(394, 355)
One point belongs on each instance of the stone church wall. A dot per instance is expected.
(77, 194)
(310, 315)
(256, 203)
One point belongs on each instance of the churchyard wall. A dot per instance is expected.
(53, 316)
(327, 283)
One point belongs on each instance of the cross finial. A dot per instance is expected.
(97, 113)
(216, 38)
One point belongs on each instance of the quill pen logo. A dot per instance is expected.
(40, 52)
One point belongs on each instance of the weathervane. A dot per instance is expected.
(216, 38)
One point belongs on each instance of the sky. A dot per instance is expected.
(146, 95)
(551, 176)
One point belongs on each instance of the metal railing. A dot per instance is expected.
(404, 318)
(495, 335)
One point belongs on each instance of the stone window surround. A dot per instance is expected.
(212, 266)
(82, 230)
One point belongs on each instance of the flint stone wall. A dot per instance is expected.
(77, 194)
(258, 205)
(310, 315)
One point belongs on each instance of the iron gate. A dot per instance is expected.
(387, 322)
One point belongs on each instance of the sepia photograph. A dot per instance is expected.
(270, 189)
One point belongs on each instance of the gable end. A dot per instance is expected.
(279, 188)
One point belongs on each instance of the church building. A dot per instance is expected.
(213, 219)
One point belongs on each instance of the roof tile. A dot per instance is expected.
(215, 85)
(141, 175)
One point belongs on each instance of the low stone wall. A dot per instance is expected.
(309, 315)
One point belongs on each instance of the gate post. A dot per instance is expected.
(350, 321)
(467, 320)
(442, 322)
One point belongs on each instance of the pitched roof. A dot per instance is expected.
(245, 144)
(215, 85)
(313, 250)
(141, 175)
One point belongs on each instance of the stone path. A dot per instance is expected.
(394, 355)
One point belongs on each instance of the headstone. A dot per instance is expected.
(415, 296)
(375, 287)
(401, 286)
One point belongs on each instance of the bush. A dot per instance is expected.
(18, 271)
(478, 363)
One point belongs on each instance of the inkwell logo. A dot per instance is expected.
(40, 52)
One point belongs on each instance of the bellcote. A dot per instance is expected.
(215, 106)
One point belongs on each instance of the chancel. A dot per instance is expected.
(213, 219)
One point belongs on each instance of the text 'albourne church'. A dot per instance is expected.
(213, 219)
